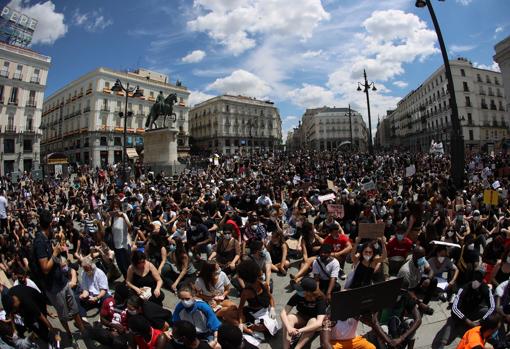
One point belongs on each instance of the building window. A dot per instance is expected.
(117, 141)
(462, 72)
(103, 141)
(478, 78)
(30, 124)
(468, 101)
(465, 85)
(35, 77)
(17, 74)
(470, 118)
(14, 96)
(1, 94)
(471, 135)
(31, 99)
(27, 146)
(107, 84)
(8, 146)
(496, 81)
(86, 143)
(5, 70)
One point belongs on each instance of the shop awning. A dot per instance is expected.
(56, 159)
(131, 153)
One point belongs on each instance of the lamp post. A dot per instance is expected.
(366, 87)
(135, 92)
(349, 114)
(456, 137)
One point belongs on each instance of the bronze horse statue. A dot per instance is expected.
(163, 107)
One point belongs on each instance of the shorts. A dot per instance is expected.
(64, 302)
(355, 343)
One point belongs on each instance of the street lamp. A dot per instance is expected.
(349, 114)
(135, 92)
(457, 140)
(366, 86)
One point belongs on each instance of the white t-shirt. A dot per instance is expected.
(95, 283)
(344, 330)
(218, 289)
(30, 283)
(500, 290)
(325, 272)
(3, 207)
(119, 232)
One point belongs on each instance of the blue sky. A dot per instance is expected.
(298, 53)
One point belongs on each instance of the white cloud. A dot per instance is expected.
(194, 57)
(237, 24)
(464, 2)
(494, 66)
(498, 29)
(461, 48)
(50, 26)
(312, 54)
(197, 97)
(241, 82)
(401, 84)
(312, 96)
(93, 21)
(290, 118)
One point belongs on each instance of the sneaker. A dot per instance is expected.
(342, 275)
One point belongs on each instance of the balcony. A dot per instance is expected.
(13, 101)
(29, 129)
(482, 93)
(4, 74)
(89, 91)
(105, 109)
(107, 90)
(35, 80)
(17, 76)
(31, 103)
(10, 129)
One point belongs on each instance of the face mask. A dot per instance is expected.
(376, 246)
(471, 247)
(389, 222)
(131, 312)
(495, 334)
(400, 237)
(324, 259)
(178, 341)
(421, 261)
(171, 248)
(476, 218)
(475, 284)
(440, 259)
(193, 228)
(188, 303)
(322, 215)
(399, 297)
(227, 236)
(254, 227)
(450, 233)
(508, 259)
(367, 257)
(65, 269)
(460, 217)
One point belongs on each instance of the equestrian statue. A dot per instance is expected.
(163, 107)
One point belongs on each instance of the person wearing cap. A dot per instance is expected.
(474, 301)
(340, 244)
(311, 308)
(326, 270)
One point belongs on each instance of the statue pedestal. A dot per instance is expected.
(160, 150)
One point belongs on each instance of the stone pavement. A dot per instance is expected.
(282, 292)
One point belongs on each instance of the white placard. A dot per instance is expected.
(410, 171)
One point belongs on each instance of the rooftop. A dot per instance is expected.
(24, 52)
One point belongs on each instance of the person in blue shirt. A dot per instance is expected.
(199, 313)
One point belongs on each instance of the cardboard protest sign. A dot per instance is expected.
(410, 171)
(327, 197)
(332, 186)
(490, 197)
(496, 185)
(369, 186)
(371, 230)
(336, 210)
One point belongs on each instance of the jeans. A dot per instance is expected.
(122, 258)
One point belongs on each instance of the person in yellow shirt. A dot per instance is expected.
(477, 337)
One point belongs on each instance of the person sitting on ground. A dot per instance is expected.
(145, 336)
(441, 264)
(366, 263)
(342, 335)
(341, 245)
(325, 270)
(94, 284)
(199, 313)
(178, 269)
(182, 336)
(399, 247)
(158, 316)
(144, 279)
(277, 248)
(231, 337)
(477, 337)
(212, 284)
(311, 307)
(227, 250)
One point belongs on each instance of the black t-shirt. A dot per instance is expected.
(308, 309)
(32, 303)
(55, 280)
(199, 234)
(156, 314)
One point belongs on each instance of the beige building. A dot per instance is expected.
(502, 57)
(235, 124)
(424, 114)
(23, 77)
(327, 128)
(82, 118)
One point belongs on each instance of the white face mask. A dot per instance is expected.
(471, 247)
(450, 233)
(188, 303)
(508, 259)
(440, 259)
(254, 227)
(366, 257)
(476, 218)
(475, 284)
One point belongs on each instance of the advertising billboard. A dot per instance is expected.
(16, 28)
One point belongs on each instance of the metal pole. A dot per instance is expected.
(124, 148)
(350, 126)
(370, 147)
(457, 140)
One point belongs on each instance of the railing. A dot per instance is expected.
(89, 91)
(31, 103)
(13, 101)
(35, 80)
(104, 108)
(4, 74)
(9, 128)
(493, 107)
(17, 76)
(484, 106)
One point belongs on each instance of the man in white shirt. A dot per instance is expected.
(325, 270)
(3, 211)
(94, 284)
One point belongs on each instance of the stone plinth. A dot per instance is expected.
(160, 149)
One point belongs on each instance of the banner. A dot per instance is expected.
(371, 230)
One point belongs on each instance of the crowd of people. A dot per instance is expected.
(215, 237)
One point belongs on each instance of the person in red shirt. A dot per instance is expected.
(144, 335)
(398, 249)
(340, 243)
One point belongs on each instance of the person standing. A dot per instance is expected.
(120, 226)
(3, 211)
(54, 280)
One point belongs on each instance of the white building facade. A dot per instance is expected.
(327, 128)
(502, 57)
(82, 119)
(425, 115)
(23, 77)
(235, 124)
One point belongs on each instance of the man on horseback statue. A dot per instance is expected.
(162, 107)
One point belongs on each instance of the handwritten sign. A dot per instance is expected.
(336, 210)
(327, 197)
(410, 171)
(331, 186)
(490, 197)
(369, 186)
(371, 230)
